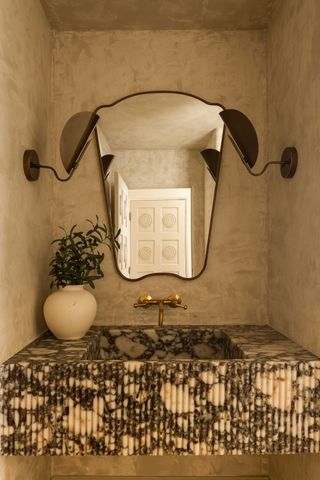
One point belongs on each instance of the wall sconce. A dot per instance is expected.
(74, 141)
(106, 155)
(211, 154)
(244, 139)
(212, 158)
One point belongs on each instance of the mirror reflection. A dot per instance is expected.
(160, 159)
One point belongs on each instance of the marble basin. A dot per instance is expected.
(165, 344)
(138, 390)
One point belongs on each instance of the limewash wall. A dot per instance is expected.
(93, 68)
(294, 206)
(25, 231)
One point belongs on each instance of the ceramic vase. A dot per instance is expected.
(70, 311)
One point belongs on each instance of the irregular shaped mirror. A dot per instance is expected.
(160, 160)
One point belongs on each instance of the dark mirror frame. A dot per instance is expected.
(104, 175)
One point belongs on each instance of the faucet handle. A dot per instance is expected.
(143, 301)
(181, 306)
(144, 298)
(174, 298)
(175, 301)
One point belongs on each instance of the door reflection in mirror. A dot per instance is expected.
(160, 185)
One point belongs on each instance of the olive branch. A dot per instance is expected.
(77, 260)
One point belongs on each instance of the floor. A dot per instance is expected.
(107, 477)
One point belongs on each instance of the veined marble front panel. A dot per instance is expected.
(152, 407)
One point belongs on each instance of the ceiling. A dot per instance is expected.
(85, 15)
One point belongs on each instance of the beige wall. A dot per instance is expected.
(228, 67)
(95, 68)
(25, 79)
(294, 206)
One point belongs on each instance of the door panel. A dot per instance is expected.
(158, 236)
(122, 221)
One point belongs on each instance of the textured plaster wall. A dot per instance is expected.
(294, 206)
(227, 67)
(25, 73)
(25, 79)
(92, 68)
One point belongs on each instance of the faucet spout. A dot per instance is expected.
(160, 313)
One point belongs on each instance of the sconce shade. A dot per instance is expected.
(75, 138)
(106, 154)
(243, 135)
(106, 162)
(212, 158)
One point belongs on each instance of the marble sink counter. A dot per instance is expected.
(47, 348)
(260, 342)
(144, 390)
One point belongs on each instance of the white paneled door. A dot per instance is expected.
(122, 206)
(160, 231)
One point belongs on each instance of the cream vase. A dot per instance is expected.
(69, 312)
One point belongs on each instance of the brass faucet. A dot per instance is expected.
(174, 301)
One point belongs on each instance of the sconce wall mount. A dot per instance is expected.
(31, 165)
(289, 162)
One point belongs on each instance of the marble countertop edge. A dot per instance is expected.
(260, 344)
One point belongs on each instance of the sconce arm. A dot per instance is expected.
(34, 165)
(288, 163)
(258, 174)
